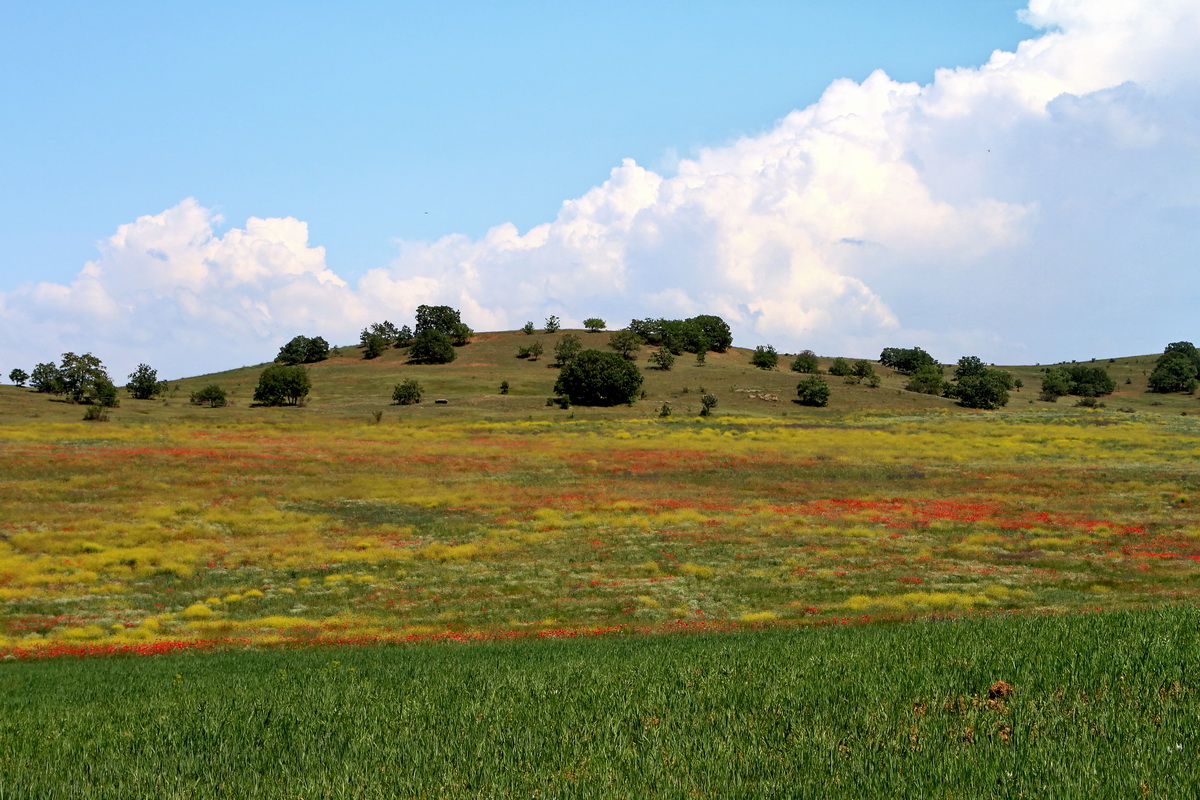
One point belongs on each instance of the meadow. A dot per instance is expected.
(492, 596)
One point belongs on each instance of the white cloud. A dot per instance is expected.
(1016, 209)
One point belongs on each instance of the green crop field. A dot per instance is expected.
(492, 596)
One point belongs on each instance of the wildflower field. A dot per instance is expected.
(149, 539)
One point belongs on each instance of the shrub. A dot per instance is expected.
(533, 351)
(461, 334)
(442, 319)
(707, 403)
(1176, 370)
(806, 362)
(144, 383)
(665, 410)
(595, 378)
(862, 370)
(569, 345)
(594, 324)
(764, 357)
(906, 361)
(374, 345)
(503, 387)
(432, 347)
(212, 395)
(553, 323)
(95, 414)
(926, 379)
(626, 342)
(407, 393)
(840, 367)
(280, 384)
(662, 359)
(984, 388)
(303, 350)
(528, 328)
(701, 357)
(813, 391)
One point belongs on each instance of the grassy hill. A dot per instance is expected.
(350, 387)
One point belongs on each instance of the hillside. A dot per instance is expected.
(347, 386)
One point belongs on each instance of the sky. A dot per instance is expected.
(192, 185)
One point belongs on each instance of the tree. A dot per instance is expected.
(1055, 384)
(461, 335)
(18, 376)
(303, 350)
(662, 358)
(806, 362)
(968, 367)
(812, 391)
(863, 370)
(46, 379)
(986, 389)
(569, 345)
(764, 357)
(528, 328)
(595, 378)
(104, 393)
(714, 332)
(384, 330)
(144, 383)
(594, 324)
(432, 347)
(374, 345)
(532, 351)
(407, 393)
(1176, 369)
(212, 395)
(926, 379)
(906, 361)
(552, 324)
(437, 318)
(840, 367)
(281, 384)
(707, 403)
(78, 376)
(625, 342)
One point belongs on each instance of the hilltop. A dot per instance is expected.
(350, 387)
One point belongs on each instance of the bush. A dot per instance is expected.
(432, 347)
(503, 387)
(707, 403)
(212, 395)
(926, 379)
(553, 323)
(906, 361)
(374, 345)
(569, 345)
(104, 393)
(594, 324)
(303, 350)
(46, 379)
(985, 388)
(806, 362)
(528, 328)
(625, 342)
(281, 384)
(532, 351)
(18, 376)
(764, 357)
(1176, 370)
(95, 414)
(442, 319)
(595, 378)
(813, 391)
(407, 393)
(1076, 379)
(144, 383)
(662, 359)
(461, 335)
(840, 367)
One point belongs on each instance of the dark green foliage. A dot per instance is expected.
(144, 383)
(692, 335)
(1176, 370)
(595, 378)
(95, 413)
(212, 396)
(432, 347)
(764, 357)
(47, 379)
(812, 391)
(385, 330)
(303, 350)
(461, 335)
(863, 370)
(806, 362)
(503, 387)
(405, 337)
(906, 361)
(981, 387)
(707, 403)
(104, 392)
(281, 384)
(594, 324)
(437, 318)
(374, 345)
(18, 376)
(626, 342)
(1076, 379)
(407, 393)
(553, 324)
(568, 346)
(662, 359)
(714, 332)
(528, 328)
(665, 410)
(926, 379)
(531, 351)
(969, 366)
(78, 376)
(840, 367)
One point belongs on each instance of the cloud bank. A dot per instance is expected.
(1045, 205)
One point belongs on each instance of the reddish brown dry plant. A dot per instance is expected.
(1000, 690)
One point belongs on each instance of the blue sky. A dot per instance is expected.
(399, 136)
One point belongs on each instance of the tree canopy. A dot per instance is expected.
(432, 346)
(303, 350)
(1177, 369)
(144, 383)
(282, 384)
(596, 378)
(906, 360)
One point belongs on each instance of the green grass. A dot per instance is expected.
(1103, 705)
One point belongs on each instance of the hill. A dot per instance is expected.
(347, 386)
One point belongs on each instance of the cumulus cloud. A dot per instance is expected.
(1023, 210)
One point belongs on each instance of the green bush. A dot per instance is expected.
(806, 362)
(432, 347)
(407, 393)
(926, 379)
(212, 395)
(595, 378)
(764, 357)
(144, 383)
(662, 359)
(813, 391)
(281, 384)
